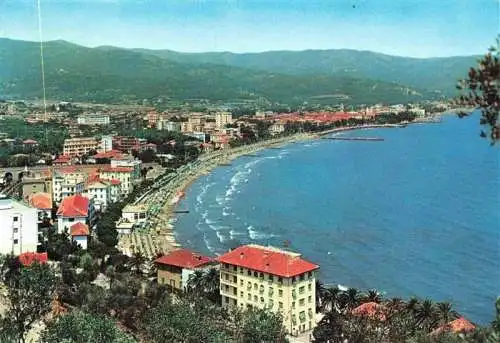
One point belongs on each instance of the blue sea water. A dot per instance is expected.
(416, 214)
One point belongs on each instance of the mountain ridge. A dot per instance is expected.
(109, 73)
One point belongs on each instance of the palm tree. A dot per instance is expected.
(195, 281)
(445, 312)
(320, 295)
(426, 314)
(372, 296)
(136, 262)
(331, 299)
(395, 304)
(350, 299)
(412, 305)
(212, 280)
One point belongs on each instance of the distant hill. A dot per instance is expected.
(108, 74)
(434, 74)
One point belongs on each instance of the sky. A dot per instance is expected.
(417, 28)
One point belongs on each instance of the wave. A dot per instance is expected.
(257, 235)
(207, 243)
(225, 212)
(220, 236)
(233, 233)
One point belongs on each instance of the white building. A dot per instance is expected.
(19, 225)
(100, 192)
(106, 143)
(64, 185)
(93, 119)
(222, 119)
(171, 126)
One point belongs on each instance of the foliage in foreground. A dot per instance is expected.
(483, 86)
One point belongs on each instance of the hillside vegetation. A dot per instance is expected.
(110, 75)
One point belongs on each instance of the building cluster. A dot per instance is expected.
(77, 192)
(253, 276)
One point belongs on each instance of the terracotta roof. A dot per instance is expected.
(79, 229)
(459, 325)
(110, 169)
(268, 260)
(74, 206)
(41, 201)
(109, 154)
(28, 258)
(370, 309)
(184, 258)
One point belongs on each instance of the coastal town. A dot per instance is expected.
(100, 193)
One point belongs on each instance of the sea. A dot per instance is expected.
(417, 214)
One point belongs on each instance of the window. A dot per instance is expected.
(302, 289)
(309, 286)
(15, 230)
(241, 282)
(249, 273)
(255, 274)
(261, 275)
(255, 298)
(255, 286)
(310, 274)
(271, 278)
(261, 299)
(280, 280)
(302, 316)
(302, 277)
(242, 294)
(271, 291)
(293, 304)
(249, 297)
(249, 285)
(293, 279)
(16, 241)
(227, 276)
(241, 270)
(16, 219)
(271, 303)
(280, 293)
(235, 279)
(309, 299)
(235, 268)
(280, 304)
(302, 302)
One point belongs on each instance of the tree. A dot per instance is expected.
(205, 283)
(445, 313)
(372, 296)
(30, 292)
(426, 314)
(80, 327)
(483, 86)
(261, 325)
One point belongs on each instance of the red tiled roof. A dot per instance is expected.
(41, 201)
(370, 309)
(268, 261)
(74, 206)
(456, 326)
(79, 229)
(28, 258)
(110, 169)
(109, 154)
(184, 258)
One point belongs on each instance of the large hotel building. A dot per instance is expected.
(267, 277)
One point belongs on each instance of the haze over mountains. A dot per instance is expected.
(110, 74)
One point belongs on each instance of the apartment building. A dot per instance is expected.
(80, 146)
(170, 126)
(93, 119)
(222, 119)
(101, 192)
(19, 225)
(127, 144)
(268, 277)
(67, 184)
(123, 174)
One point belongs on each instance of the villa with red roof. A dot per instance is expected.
(75, 209)
(80, 233)
(175, 268)
(267, 277)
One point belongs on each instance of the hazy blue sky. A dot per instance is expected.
(420, 28)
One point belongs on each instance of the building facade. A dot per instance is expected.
(268, 277)
(75, 209)
(80, 146)
(19, 224)
(175, 268)
(222, 119)
(93, 119)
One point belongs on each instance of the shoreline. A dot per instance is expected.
(164, 226)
